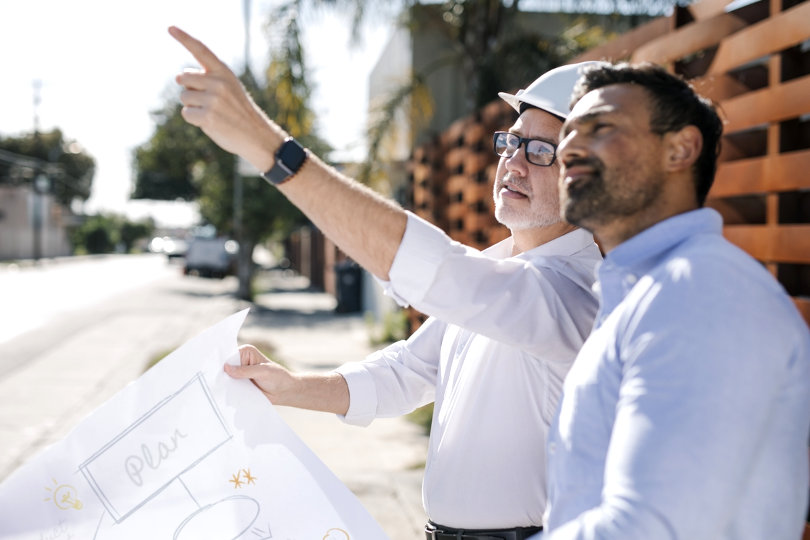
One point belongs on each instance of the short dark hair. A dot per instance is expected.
(675, 105)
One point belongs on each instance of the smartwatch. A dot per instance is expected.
(289, 158)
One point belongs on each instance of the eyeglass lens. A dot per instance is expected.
(537, 152)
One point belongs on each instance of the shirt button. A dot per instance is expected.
(552, 447)
(630, 280)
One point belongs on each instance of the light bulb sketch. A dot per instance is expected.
(64, 496)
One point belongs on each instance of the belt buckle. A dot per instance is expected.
(432, 532)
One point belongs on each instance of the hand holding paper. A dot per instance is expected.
(315, 391)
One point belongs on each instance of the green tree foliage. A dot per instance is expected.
(106, 233)
(133, 231)
(487, 42)
(69, 169)
(492, 46)
(164, 164)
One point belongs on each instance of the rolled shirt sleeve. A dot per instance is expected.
(395, 380)
(540, 301)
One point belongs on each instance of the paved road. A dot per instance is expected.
(87, 329)
(60, 363)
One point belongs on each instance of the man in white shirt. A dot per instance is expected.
(505, 323)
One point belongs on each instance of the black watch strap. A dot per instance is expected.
(289, 158)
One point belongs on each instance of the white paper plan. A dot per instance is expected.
(183, 453)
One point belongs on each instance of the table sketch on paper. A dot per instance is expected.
(185, 452)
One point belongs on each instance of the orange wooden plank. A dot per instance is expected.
(705, 9)
(496, 233)
(478, 222)
(718, 87)
(456, 211)
(782, 172)
(476, 132)
(621, 47)
(454, 159)
(455, 132)
(456, 183)
(776, 33)
(688, 39)
(782, 244)
(774, 104)
(474, 193)
(476, 162)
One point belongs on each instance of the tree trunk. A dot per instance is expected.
(245, 270)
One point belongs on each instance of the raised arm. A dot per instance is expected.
(367, 226)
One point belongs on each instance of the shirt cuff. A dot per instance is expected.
(388, 291)
(423, 248)
(362, 394)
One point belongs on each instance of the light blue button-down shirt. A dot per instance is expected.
(687, 412)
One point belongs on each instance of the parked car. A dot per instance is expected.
(211, 257)
(171, 246)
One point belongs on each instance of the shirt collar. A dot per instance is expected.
(564, 245)
(624, 265)
(642, 250)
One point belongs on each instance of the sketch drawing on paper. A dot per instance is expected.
(64, 496)
(336, 534)
(156, 450)
(184, 453)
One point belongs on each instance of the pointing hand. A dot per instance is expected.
(215, 100)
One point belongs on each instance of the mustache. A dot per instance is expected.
(590, 162)
(514, 182)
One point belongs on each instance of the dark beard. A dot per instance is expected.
(603, 198)
(580, 202)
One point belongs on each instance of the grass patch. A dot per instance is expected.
(423, 416)
(157, 358)
(266, 348)
(392, 328)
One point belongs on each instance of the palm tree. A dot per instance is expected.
(487, 41)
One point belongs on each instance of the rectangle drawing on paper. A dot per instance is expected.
(155, 449)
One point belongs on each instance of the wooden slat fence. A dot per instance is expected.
(753, 60)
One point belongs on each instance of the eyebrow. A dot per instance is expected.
(586, 118)
(549, 140)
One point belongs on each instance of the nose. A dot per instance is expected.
(516, 163)
(569, 146)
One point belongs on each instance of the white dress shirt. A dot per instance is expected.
(502, 335)
(686, 414)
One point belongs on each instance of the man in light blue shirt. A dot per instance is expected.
(686, 414)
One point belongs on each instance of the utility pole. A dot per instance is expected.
(38, 182)
(243, 260)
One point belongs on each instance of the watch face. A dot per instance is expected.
(289, 158)
(291, 154)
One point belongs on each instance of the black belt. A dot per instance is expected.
(440, 532)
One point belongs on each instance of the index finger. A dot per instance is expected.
(207, 59)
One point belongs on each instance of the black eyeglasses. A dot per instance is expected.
(538, 152)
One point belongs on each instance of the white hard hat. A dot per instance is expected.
(551, 91)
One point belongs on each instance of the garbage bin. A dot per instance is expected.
(348, 287)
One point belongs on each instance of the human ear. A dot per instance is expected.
(683, 148)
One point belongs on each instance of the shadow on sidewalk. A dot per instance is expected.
(285, 299)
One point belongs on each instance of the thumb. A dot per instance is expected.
(239, 372)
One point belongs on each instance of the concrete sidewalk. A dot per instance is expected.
(383, 463)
